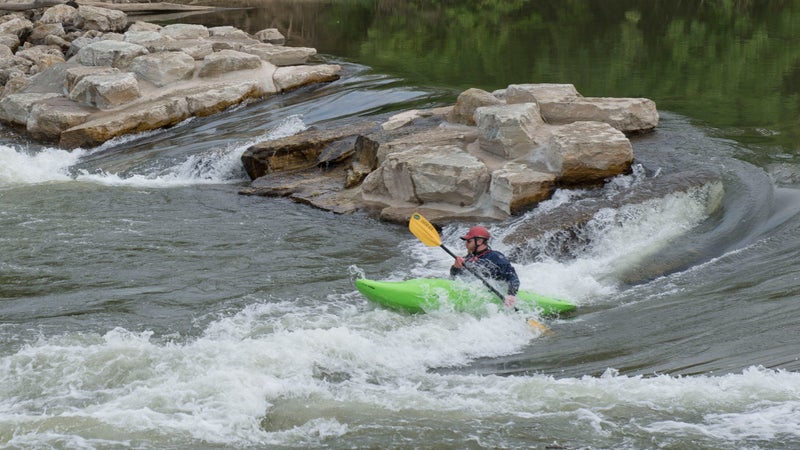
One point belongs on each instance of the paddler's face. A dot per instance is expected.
(472, 245)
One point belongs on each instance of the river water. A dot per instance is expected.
(145, 304)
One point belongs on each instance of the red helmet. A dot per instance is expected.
(476, 232)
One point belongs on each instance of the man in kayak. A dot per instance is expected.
(488, 262)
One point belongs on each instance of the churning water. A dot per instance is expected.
(145, 304)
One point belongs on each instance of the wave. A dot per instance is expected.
(281, 374)
(213, 166)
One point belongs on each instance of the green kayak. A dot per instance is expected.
(424, 294)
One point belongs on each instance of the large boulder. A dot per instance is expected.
(424, 174)
(516, 187)
(510, 131)
(226, 61)
(185, 31)
(561, 104)
(292, 77)
(589, 152)
(106, 91)
(466, 104)
(16, 108)
(64, 15)
(112, 53)
(280, 55)
(18, 26)
(136, 119)
(213, 98)
(50, 116)
(102, 19)
(164, 68)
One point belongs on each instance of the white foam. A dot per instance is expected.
(214, 166)
(19, 166)
(265, 363)
(620, 240)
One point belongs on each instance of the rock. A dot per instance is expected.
(75, 74)
(181, 31)
(144, 26)
(41, 57)
(214, 98)
(15, 81)
(50, 116)
(64, 15)
(164, 68)
(102, 19)
(588, 152)
(427, 175)
(541, 93)
(561, 104)
(298, 151)
(292, 77)
(196, 48)
(226, 61)
(271, 36)
(468, 101)
(9, 40)
(41, 31)
(6, 54)
(279, 55)
(435, 136)
(629, 115)
(117, 54)
(515, 187)
(138, 118)
(106, 91)
(58, 41)
(18, 26)
(15, 108)
(153, 41)
(510, 131)
(228, 32)
(230, 38)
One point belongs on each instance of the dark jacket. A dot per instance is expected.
(493, 265)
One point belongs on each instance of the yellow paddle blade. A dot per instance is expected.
(542, 328)
(424, 230)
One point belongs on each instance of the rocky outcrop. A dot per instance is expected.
(487, 157)
(79, 76)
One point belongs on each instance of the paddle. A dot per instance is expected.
(425, 232)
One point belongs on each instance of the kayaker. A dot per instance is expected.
(490, 263)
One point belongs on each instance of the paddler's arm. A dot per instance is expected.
(457, 268)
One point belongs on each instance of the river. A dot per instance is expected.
(145, 304)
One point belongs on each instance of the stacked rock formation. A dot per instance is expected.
(81, 75)
(490, 156)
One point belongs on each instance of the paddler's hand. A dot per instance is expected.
(459, 262)
(510, 300)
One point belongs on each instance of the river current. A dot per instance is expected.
(145, 304)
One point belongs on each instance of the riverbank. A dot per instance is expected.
(81, 75)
